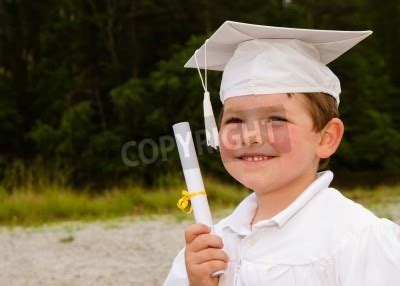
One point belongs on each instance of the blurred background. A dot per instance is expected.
(79, 79)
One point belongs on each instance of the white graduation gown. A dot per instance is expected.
(322, 238)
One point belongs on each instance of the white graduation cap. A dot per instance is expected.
(259, 59)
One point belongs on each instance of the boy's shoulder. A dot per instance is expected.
(329, 209)
(332, 209)
(344, 208)
(322, 226)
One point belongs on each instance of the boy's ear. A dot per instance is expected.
(331, 136)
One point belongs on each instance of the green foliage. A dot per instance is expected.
(380, 147)
(25, 206)
(37, 204)
(10, 119)
(79, 79)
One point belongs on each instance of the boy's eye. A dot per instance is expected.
(269, 119)
(233, 120)
(276, 118)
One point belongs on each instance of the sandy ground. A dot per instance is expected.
(104, 253)
(119, 252)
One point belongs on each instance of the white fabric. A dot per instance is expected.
(322, 238)
(330, 44)
(255, 60)
(268, 66)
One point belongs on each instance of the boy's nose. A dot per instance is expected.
(253, 134)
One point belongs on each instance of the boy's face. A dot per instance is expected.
(268, 141)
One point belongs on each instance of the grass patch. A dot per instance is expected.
(33, 207)
(374, 196)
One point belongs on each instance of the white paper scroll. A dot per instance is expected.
(193, 178)
(191, 171)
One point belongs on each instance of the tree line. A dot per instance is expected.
(79, 79)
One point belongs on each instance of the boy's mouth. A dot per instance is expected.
(255, 157)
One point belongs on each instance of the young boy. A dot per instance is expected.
(279, 127)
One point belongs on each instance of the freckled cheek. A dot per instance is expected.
(226, 152)
(230, 139)
(282, 138)
(295, 141)
(229, 161)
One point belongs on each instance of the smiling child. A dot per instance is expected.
(279, 126)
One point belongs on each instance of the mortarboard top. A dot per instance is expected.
(222, 44)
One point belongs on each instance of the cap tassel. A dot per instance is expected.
(209, 122)
(209, 119)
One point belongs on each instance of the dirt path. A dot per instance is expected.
(106, 253)
(119, 252)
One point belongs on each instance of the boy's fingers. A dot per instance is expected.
(204, 241)
(194, 230)
(213, 266)
(210, 254)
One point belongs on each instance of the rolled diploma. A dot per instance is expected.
(193, 178)
(191, 171)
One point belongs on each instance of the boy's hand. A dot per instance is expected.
(203, 255)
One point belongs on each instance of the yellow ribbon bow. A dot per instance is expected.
(184, 202)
